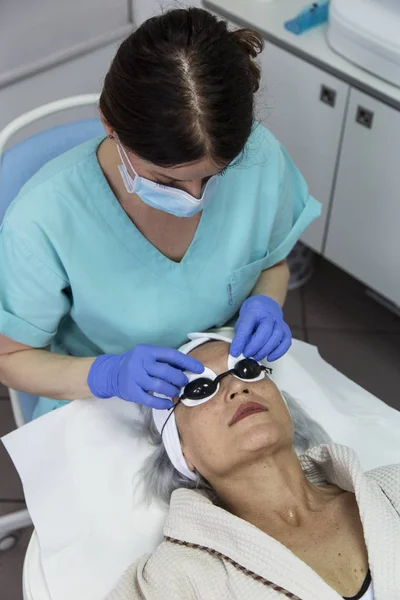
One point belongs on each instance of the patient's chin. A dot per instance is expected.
(261, 436)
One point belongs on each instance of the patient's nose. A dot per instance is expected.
(236, 387)
(233, 395)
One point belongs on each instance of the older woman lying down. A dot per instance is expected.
(252, 519)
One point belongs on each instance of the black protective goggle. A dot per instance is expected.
(204, 388)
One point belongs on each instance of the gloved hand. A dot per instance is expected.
(143, 369)
(260, 330)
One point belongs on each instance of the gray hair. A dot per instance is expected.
(161, 478)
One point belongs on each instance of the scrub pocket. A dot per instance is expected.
(243, 280)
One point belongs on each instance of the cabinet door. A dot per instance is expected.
(364, 229)
(295, 103)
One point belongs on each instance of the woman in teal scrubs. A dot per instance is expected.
(177, 220)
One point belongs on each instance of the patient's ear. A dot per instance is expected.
(106, 125)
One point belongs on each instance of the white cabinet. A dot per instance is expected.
(364, 229)
(290, 105)
(360, 226)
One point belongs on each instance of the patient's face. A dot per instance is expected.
(216, 444)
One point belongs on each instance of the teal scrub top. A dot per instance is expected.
(78, 276)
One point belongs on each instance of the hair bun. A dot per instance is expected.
(252, 44)
(181, 88)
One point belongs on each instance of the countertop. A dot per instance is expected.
(268, 17)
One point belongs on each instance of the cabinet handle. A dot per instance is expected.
(328, 95)
(365, 117)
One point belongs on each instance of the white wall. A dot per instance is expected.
(38, 34)
(79, 76)
(143, 9)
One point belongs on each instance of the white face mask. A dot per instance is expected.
(170, 200)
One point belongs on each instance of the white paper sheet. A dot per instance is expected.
(78, 466)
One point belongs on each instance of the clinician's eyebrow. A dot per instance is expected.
(169, 178)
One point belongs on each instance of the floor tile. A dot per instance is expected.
(10, 485)
(371, 360)
(11, 561)
(3, 392)
(334, 300)
(298, 334)
(293, 309)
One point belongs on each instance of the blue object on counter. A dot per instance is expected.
(314, 14)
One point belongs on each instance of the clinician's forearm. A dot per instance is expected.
(274, 282)
(42, 373)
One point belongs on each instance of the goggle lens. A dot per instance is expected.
(248, 369)
(201, 388)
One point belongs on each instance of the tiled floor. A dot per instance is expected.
(352, 332)
(11, 499)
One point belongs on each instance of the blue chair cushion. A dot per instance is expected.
(24, 159)
(27, 403)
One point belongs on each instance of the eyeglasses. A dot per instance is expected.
(203, 388)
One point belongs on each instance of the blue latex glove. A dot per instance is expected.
(260, 330)
(143, 369)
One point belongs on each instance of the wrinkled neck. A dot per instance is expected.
(270, 492)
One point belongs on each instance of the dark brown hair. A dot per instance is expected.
(181, 87)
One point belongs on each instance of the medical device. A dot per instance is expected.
(367, 32)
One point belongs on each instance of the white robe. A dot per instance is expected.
(210, 554)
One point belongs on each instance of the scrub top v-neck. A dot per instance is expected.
(198, 251)
(78, 276)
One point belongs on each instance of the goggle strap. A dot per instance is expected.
(168, 418)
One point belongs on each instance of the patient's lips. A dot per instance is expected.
(245, 410)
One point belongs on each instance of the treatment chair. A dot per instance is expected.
(17, 165)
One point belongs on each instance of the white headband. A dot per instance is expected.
(170, 436)
(170, 439)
